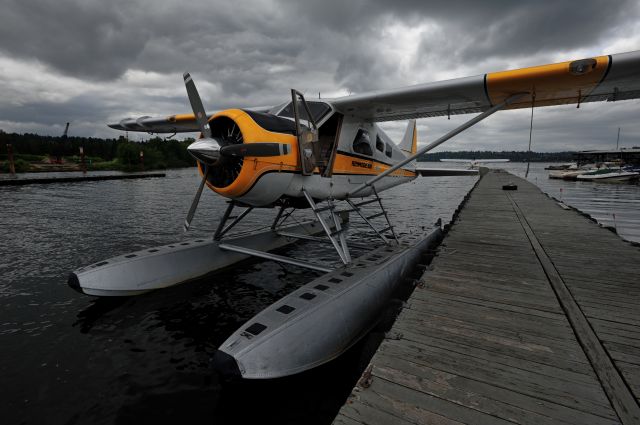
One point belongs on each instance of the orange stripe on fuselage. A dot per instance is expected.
(347, 164)
(553, 84)
(253, 167)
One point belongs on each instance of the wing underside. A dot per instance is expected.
(602, 78)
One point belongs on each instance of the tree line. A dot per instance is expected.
(119, 153)
(515, 156)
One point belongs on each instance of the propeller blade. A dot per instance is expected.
(255, 149)
(196, 201)
(206, 151)
(196, 105)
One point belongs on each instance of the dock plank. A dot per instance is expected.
(512, 405)
(528, 314)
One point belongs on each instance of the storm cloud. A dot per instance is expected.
(92, 62)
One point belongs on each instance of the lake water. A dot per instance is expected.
(612, 205)
(68, 358)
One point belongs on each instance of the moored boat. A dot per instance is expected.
(571, 173)
(609, 175)
(561, 166)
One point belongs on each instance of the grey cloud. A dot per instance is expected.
(255, 51)
(81, 38)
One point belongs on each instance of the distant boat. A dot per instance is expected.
(474, 163)
(609, 175)
(571, 172)
(560, 166)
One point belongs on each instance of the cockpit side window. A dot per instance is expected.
(362, 143)
(389, 151)
(379, 144)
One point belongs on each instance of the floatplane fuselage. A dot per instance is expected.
(346, 154)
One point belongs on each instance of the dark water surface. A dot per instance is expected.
(68, 358)
(614, 205)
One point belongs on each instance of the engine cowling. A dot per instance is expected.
(234, 176)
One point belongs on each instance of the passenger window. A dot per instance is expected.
(379, 144)
(389, 151)
(362, 143)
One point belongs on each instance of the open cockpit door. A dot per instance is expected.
(318, 140)
(307, 136)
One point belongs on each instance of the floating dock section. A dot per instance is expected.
(530, 314)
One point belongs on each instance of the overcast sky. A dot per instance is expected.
(92, 62)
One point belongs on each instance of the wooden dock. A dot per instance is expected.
(530, 314)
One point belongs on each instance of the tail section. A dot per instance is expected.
(409, 143)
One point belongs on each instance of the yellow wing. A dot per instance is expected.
(601, 78)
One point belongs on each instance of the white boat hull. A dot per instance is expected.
(614, 177)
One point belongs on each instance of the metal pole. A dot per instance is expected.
(533, 101)
(275, 222)
(82, 163)
(326, 228)
(441, 140)
(12, 165)
(274, 257)
(225, 217)
(618, 139)
(234, 222)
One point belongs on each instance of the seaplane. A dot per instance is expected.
(329, 157)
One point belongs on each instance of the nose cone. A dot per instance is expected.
(206, 151)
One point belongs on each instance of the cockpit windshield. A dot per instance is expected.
(318, 109)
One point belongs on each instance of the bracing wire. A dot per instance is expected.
(533, 101)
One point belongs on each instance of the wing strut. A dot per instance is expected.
(441, 140)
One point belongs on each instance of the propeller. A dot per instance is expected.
(196, 201)
(221, 150)
(196, 104)
(205, 150)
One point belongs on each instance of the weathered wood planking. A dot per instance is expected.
(530, 314)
